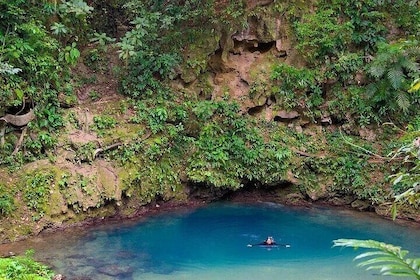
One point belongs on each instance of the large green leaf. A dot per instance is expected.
(387, 258)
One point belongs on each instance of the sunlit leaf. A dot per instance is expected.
(387, 258)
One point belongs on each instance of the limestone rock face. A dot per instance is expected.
(287, 115)
(317, 193)
(240, 68)
(260, 30)
(360, 204)
(367, 134)
(245, 57)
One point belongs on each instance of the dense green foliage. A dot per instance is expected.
(38, 46)
(222, 148)
(297, 89)
(229, 151)
(407, 181)
(349, 37)
(24, 268)
(6, 201)
(37, 191)
(350, 70)
(393, 70)
(153, 48)
(320, 36)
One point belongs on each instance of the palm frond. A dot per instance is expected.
(387, 258)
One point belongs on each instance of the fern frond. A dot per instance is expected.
(395, 77)
(403, 101)
(377, 70)
(413, 51)
(386, 258)
(410, 65)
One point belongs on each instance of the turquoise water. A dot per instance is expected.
(211, 243)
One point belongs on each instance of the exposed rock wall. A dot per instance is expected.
(243, 62)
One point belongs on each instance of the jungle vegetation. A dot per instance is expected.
(24, 268)
(358, 63)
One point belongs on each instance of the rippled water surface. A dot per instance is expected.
(211, 243)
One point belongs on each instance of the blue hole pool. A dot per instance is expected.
(211, 243)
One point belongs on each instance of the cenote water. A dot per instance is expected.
(211, 243)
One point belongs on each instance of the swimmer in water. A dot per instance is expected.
(269, 241)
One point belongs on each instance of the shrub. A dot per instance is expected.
(37, 190)
(24, 268)
(6, 201)
(393, 70)
(229, 151)
(297, 87)
(102, 123)
(321, 35)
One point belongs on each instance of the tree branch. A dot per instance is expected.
(363, 149)
(115, 145)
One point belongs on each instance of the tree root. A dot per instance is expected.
(19, 143)
(110, 147)
(16, 120)
(19, 120)
(2, 134)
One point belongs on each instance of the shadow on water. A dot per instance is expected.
(211, 243)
